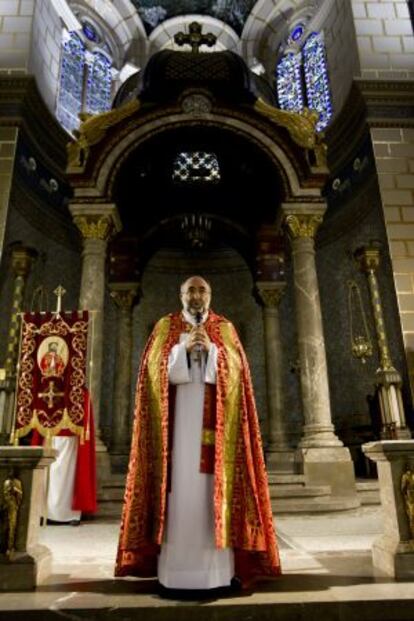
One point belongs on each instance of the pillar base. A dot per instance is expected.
(103, 463)
(280, 459)
(119, 457)
(26, 570)
(403, 433)
(393, 558)
(319, 436)
(331, 466)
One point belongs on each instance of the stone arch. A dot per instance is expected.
(113, 155)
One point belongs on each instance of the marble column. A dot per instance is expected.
(22, 259)
(388, 380)
(96, 223)
(319, 447)
(393, 551)
(279, 456)
(318, 429)
(124, 295)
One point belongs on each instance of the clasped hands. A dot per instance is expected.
(198, 339)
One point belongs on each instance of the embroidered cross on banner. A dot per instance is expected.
(50, 394)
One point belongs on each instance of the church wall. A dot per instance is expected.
(110, 330)
(8, 142)
(15, 35)
(45, 50)
(351, 382)
(339, 33)
(394, 154)
(385, 39)
(56, 264)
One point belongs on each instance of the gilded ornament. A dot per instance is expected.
(300, 125)
(271, 296)
(368, 258)
(361, 345)
(94, 227)
(407, 490)
(303, 225)
(93, 129)
(195, 38)
(12, 499)
(124, 299)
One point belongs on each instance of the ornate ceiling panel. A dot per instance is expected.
(232, 12)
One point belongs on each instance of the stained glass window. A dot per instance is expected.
(90, 32)
(196, 167)
(315, 68)
(70, 96)
(98, 84)
(297, 32)
(289, 82)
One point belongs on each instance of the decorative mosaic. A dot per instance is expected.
(232, 12)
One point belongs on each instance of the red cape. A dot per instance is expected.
(243, 515)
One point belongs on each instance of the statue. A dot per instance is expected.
(407, 490)
(12, 497)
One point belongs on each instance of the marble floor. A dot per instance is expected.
(327, 575)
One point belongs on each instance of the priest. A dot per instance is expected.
(197, 511)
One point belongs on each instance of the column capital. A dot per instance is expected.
(96, 221)
(302, 225)
(368, 258)
(124, 294)
(22, 258)
(270, 293)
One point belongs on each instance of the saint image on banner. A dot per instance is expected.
(52, 356)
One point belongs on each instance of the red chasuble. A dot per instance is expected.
(231, 448)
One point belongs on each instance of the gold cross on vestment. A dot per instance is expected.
(195, 38)
(50, 394)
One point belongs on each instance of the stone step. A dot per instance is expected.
(313, 505)
(285, 479)
(116, 480)
(368, 491)
(298, 491)
(112, 493)
(109, 509)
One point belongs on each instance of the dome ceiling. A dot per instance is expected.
(232, 12)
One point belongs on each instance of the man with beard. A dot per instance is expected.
(196, 511)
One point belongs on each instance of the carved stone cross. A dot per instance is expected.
(49, 395)
(195, 38)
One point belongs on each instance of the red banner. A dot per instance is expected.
(52, 374)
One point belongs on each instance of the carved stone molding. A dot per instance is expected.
(303, 225)
(270, 293)
(96, 220)
(125, 295)
(94, 227)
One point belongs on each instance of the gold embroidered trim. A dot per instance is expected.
(231, 423)
(208, 437)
